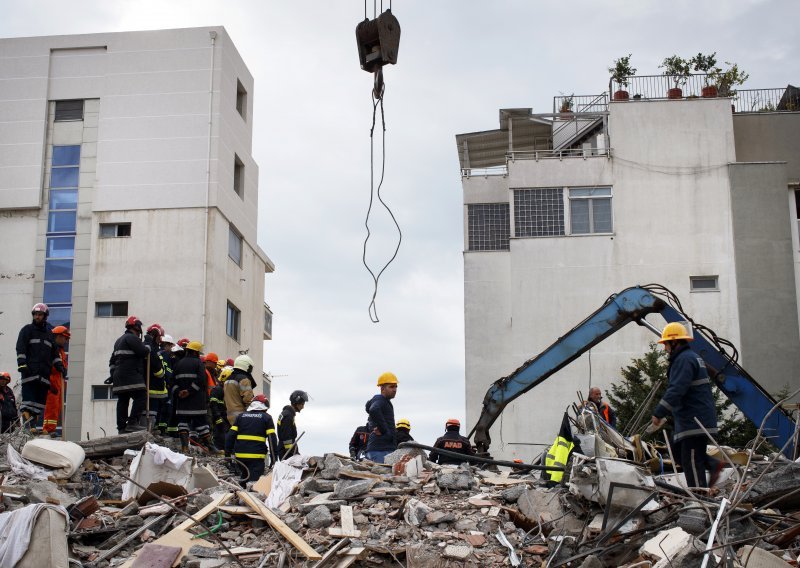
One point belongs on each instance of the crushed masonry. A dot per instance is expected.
(607, 511)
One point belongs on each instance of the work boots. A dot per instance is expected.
(184, 436)
(133, 425)
(208, 442)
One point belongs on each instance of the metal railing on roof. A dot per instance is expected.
(780, 99)
(580, 103)
(485, 172)
(559, 154)
(655, 87)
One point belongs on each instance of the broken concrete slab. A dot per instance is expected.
(319, 518)
(455, 479)
(43, 491)
(352, 488)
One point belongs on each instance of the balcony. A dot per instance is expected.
(577, 117)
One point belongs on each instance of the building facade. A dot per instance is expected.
(563, 209)
(128, 187)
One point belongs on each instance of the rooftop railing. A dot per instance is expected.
(655, 87)
(580, 103)
(766, 100)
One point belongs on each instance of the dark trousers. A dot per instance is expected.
(220, 430)
(157, 408)
(34, 396)
(8, 423)
(139, 398)
(255, 468)
(694, 460)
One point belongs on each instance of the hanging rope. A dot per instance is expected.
(377, 101)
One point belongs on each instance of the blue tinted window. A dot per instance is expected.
(57, 292)
(63, 198)
(61, 222)
(60, 247)
(64, 177)
(58, 269)
(59, 315)
(66, 155)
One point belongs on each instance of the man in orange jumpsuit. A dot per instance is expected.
(58, 382)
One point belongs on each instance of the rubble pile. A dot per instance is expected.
(134, 503)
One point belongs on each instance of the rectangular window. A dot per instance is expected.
(232, 322)
(63, 199)
(267, 322)
(59, 315)
(64, 177)
(60, 247)
(241, 99)
(539, 212)
(238, 176)
(112, 230)
(797, 208)
(590, 210)
(110, 309)
(489, 226)
(58, 269)
(57, 292)
(61, 221)
(66, 155)
(234, 245)
(704, 283)
(69, 110)
(102, 392)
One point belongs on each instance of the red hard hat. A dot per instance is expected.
(5, 375)
(183, 342)
(156, 327)
(262, 398)
(133, 321)
(40, 308)
(229, 362)
(452, 422)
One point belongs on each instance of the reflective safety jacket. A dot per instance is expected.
(158, 380)
(452, 441)
(252, 434)
(608, 414)
(190, 375)
(558, 456)
(287, 432)
(216, 403)
(127, 363)
(238, 390)
(36, 353)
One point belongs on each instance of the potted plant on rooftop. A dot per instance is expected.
(728, 78)
(621, 72)
(566, 104)
(677, 68)
(706, 64)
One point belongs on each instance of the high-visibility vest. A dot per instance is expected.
(558, 456)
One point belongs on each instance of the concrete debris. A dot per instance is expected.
(605, 512)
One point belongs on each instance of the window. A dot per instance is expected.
(241, 99)
(232, 322)
(69, 110)
(704, 283)
(102, 392)
(488, 226)
(539, 212)
(267, 322)
(59, 315)
(797, 208)
(238, 176)
(590, 210)
(111, 230)
(234, 245)
(110, 309)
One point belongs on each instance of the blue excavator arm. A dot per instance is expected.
(633, 305)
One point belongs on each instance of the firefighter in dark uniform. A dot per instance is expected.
(165, 354)
(8, 403)
(191, 388)
(158, 377)
(36, 352)
(177, 353)
(287, 430)
(402, 432)
(250, 437)
(452, 441)
(216, 404)
(358, 443)
(127, 367)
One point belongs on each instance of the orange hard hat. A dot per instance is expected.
(212, 357)
(452, 422)
(61, 330)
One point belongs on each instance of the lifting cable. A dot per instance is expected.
(378, 42)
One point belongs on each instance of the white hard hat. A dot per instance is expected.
(176, 349)
(167, 339)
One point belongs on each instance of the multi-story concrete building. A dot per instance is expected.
(128, 187)
(563, 209)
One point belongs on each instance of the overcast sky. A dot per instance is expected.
(459, 62)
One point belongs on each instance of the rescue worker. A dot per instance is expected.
(250, 437)
(358, 443)
(212, 370)
(403, 431)
(216, 403)
(36, 353)
(177, 353)
(167, 360)
(127, 367)
(192, 398)
(8, 403)
(287, 429)
(157, 392)
(606, 412)
(239, 387)
(688, 396)
(381, 440)
(58, 383)
(452, 441)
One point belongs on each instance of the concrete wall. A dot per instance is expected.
(769, 137)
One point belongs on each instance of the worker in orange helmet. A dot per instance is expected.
(58, 382)
(452, 441)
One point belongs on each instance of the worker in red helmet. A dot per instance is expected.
(8, 403)
(251, 437)
(452, 441)
(58, 382)
(36, 356)
(127, 367)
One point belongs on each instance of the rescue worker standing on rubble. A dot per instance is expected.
(452, 441)
(177, 353)
(688, 396)
(157, 393)
(36, 352)
(166, 356)
(238, 387)
(252, 434)
(287, 429)
(403, 431)
(192, 397)
(358, 442)
(127, 369)
(381, 441)
(8, 403)
(58, 382)
(216, 404)
(606, 412)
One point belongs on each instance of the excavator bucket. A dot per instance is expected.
(378, 41)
